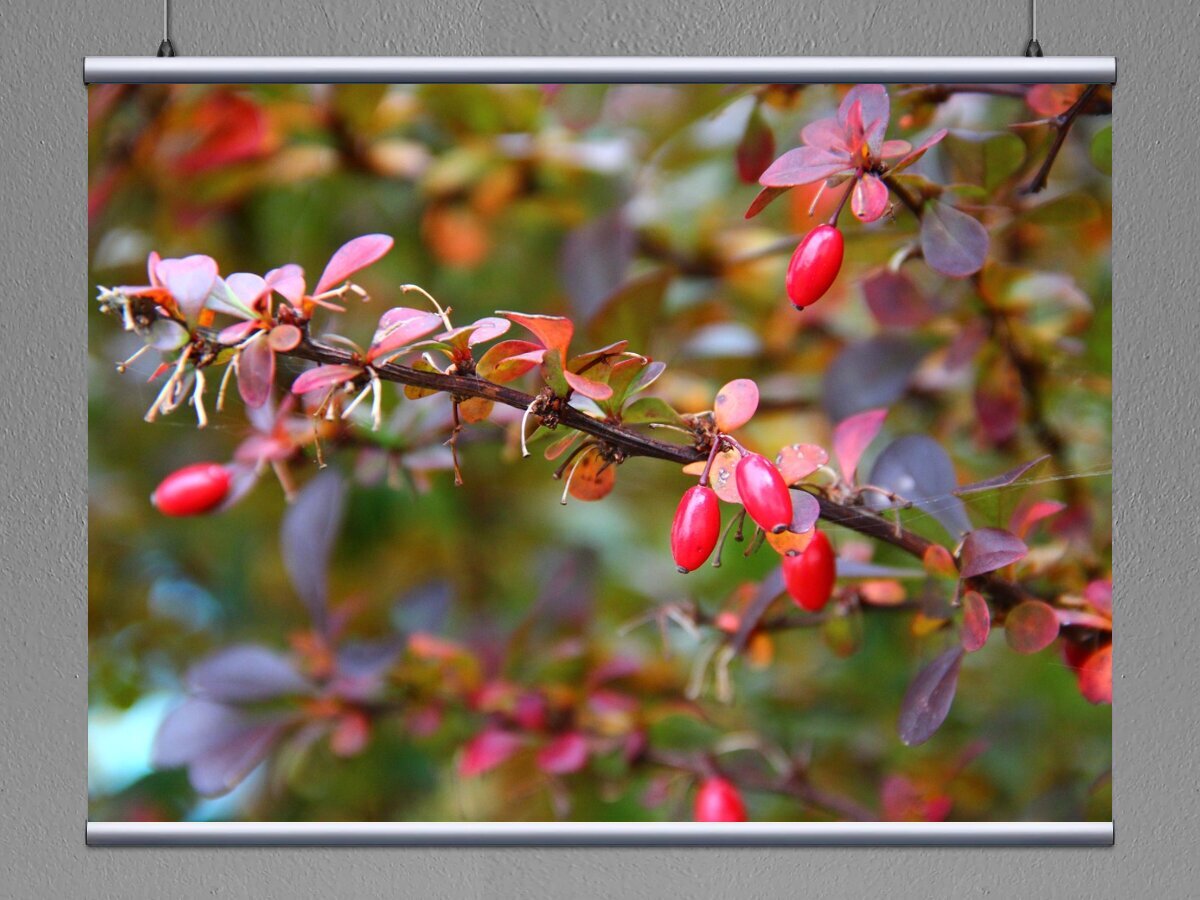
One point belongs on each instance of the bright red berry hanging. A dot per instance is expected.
(815, 265)
(810, 576)
(764, 493)
(719, 801)
(696, 527)
(192, 490)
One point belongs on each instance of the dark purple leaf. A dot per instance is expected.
(245, 673)
(594, 260)
(917, 469)
(424, 608)
(1003, 480)
(928, 699)
(989, 549)
(220, 768)
(805, 512)
(954, 243)
(895, 300)
(869, 374)
(310, 527)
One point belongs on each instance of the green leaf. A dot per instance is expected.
(645, 410)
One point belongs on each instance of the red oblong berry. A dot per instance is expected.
(809, 576)
(764, 493)
(719, 801)
(815, 265)
(192, 490)
(696, 527)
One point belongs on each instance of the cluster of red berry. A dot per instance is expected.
(808, 575)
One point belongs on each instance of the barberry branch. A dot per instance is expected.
(1062, 126)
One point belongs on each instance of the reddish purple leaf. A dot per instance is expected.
(284, 338)
(565, 754)
(989, 549)
(487, 750)
(1031, 626)
(1026, 515)
(324, 377)
(1099, 594)
(1002, 480)
(954, 243)
(586, 386)
(914, 155)
(735, 404)
(874, 108)
(803, 165)
(351, 257)
(927, 701)
(237, 333)
(763, 200)
(756, 149)
(976, 623)
(895, 301)
(1096, 677)
(852, 436)
(256, 373)
(245, 673)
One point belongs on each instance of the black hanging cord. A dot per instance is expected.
(1033, 48)
(166, 48)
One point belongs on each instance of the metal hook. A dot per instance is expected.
(166, 48)
(1033, 48)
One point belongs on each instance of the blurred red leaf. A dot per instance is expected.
(487, 750)
(976, 623)
(1031, 626)
(756, 149)
(1095, 676)
(565, 754)
(895, 300)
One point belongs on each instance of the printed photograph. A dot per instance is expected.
(600, 453)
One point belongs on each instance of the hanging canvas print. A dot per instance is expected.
(600, 453)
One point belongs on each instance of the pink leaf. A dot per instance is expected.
(565, 754)
(487, 750)
(798, 461)
(852, 436)
(288, 282)
(594, 390)
(1099, 595)
(554, 332)
(1031, 626)
(237, 333)
(874, 106)
(284, 338)
(870, 198)
(976, 623)
(825, 134)
(351, 257)
(324, 377)
(401, 326)
(256, 373)
(247, 287)
(803, 165)
(735, 404)
(188, 280)
(487, 329)
(988, 549)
